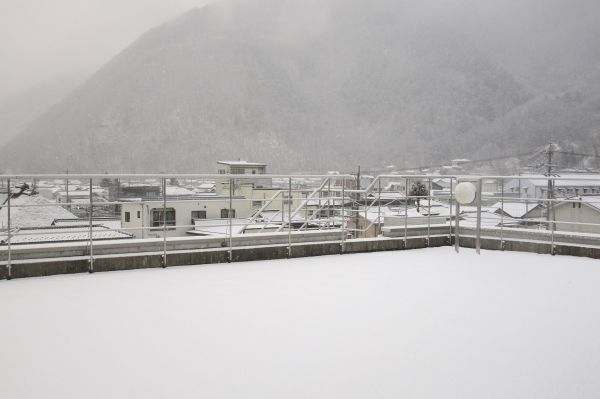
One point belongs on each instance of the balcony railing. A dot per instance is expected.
(284, 207)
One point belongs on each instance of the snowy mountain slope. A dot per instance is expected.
(300, 85)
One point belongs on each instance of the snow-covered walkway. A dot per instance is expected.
(412, 324)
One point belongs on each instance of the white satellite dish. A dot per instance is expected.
(465, 193)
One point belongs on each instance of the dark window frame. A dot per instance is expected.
(157, 217)
(225, 213)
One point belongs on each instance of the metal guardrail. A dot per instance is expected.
(336, 201)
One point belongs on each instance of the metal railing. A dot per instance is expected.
(375, 207)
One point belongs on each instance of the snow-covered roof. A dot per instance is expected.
(206, 186)
(574, 180)
(32, 211)
(112, 224)
(593, 201)
(61, 234)
(241, 163)
(514, 209)
(176, 191)
(488, 219)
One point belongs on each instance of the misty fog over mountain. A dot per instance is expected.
(328, 85)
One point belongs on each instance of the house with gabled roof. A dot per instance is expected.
(578, 214)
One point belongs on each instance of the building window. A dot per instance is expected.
(127, 217)
(139, 214)
(198, 215)
(225, 213)
(158, 216)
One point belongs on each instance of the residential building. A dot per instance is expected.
(584, 210)
(241, 168)
(145, 219)
(567, 186)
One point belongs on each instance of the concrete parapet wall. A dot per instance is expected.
(43, 251)
(276, 249)
(113, 262)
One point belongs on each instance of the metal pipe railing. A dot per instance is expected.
(91, 225)
(311, 185)
(8, 199)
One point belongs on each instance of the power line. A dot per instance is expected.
(475, 160)
(577, 154)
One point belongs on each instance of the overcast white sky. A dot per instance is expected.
(43, 39)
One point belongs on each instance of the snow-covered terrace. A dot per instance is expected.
(426, 323)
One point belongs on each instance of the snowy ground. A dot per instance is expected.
(415, 324)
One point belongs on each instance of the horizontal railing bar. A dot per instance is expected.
(167, 176)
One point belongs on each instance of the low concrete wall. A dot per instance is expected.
(183, 256)
(416, 231)
(537, 247)
(104, 263)
(111, 247)
(561, 237)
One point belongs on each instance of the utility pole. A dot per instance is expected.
(67, 190)
(550, 196)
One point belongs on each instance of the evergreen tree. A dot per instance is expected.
(418, 191)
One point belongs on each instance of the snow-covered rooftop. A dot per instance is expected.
(515, 209)
(575, 180)
(241, 163)
(591, 200)
(62, 234)
(408, 324)
(32, 211)
(175, 191)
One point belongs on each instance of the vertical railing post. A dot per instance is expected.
(305, 213)
(478, 229)
(164, 221)
(552, 238)
(367, 206)
(406, 212)
(143, 219)
(8, 241)
(229, 216)
(450, 203)
(329, 223)
(343, 243)
(378, 206)
(457, 228)
(429, 212)
(67, 191)
(502, 214)
(290, 217)
(91, 226)
(553, 221)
